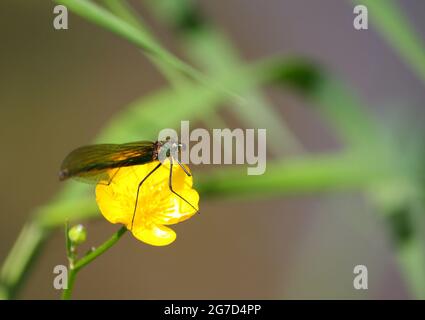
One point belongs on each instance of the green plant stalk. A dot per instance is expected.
(100, 16)
(411, 259)
(299, 175)
(32, 237)
(76, 266)
(103, 18)
(68, 244)
(411, 253)
(123, 10)
(67, 293)
(22, 255)
(397, 30)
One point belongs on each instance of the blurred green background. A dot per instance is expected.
(60, 88)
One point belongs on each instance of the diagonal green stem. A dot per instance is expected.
(124, 11)
(18, 263)
(396, 28)
(102, 17)
(79, 264)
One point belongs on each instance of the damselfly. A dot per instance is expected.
(99, 163)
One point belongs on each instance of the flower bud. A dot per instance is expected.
(77, 234)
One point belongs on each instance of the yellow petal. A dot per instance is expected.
(156, 235)
(156, 206)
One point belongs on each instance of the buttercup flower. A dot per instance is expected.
(157, 206)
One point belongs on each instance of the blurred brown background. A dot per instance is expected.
(58, 88)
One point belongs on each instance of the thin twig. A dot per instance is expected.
(79, 264)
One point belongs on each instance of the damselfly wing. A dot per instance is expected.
(97, 163)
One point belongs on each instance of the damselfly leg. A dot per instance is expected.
(170, 182)
(170, 185)
(138, 189)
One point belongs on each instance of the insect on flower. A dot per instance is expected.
(103, 163)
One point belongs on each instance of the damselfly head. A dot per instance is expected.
(169, 148)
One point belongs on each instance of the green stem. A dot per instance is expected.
(19, 261)
(124, 11)
(67, 293)
(102, 17)
(107, 20)
(78, 265)
(398, 30)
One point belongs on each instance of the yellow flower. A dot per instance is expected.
(157, 206)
